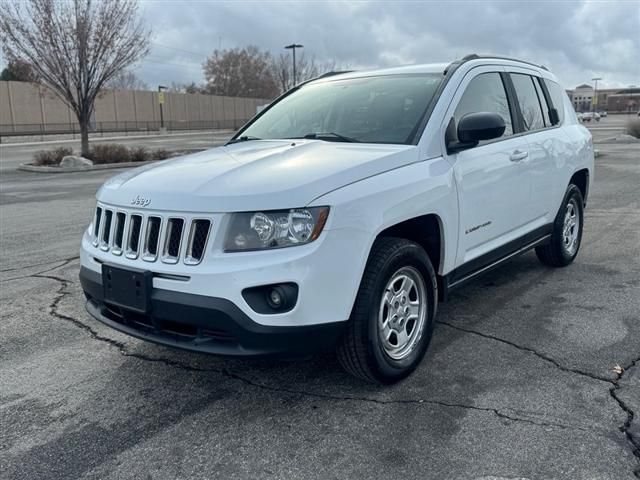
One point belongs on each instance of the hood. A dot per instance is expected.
(254, 175)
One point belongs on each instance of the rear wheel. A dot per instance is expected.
(567, 231)
(392, 320)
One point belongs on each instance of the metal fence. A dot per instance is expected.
(41, 129)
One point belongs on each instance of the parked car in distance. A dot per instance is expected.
(588, 116)
(580, 116)
(602, 114)
(343, 213)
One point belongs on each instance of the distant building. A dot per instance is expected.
(609, 99)
(625, 100)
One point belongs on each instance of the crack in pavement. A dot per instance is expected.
(529, 350)
(625, 428)
(122, 349)
(65, 262)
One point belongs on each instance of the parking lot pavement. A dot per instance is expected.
(609, 126)
(519, 381)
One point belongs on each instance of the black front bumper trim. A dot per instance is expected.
(205, 324)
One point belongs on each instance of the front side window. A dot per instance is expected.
(385, 109)
(485, 93)
(528, 101)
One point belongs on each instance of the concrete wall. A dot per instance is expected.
(26, 107)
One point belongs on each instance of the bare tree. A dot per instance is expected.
(19, 71)
(306, 69)
(192, 87)
(126, 80)
(240, 72)
(75, 47)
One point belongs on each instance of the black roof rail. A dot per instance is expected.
(475, 56)
(453, 66)
(324, 75)
(332, 73)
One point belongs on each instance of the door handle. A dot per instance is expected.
(518, 155)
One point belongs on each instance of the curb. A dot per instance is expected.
(613, 141)
(27, 167)
(224, 132)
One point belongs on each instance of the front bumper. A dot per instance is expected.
(205, 324)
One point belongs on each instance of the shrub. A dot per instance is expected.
(51, 157)
(633, 127)
(139, 154)
(109, 153)
(161, 154)
(106, 153)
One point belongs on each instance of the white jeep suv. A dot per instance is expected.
(342, 213)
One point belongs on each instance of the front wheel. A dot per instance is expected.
(393, 317)
(566, 236)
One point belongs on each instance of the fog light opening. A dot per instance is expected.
(276, 298)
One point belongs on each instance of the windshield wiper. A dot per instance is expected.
(330, 136)
(244, 138)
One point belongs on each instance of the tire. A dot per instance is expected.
(362, 350)
(563, 247)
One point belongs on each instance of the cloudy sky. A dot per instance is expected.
(577, 40)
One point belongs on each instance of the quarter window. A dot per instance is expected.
(485, 93)
(543, 101)
(557, 95)
(528, 101)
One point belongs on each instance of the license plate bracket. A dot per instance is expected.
(127, 288)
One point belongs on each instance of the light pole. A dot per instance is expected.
(293, 47)
(161, 102)
(595, 94)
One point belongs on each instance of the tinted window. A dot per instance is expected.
(543, 102)
(384, 109)
(485, 93)
(557, 95)
(528, 101)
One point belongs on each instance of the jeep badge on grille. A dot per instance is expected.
(141, 201)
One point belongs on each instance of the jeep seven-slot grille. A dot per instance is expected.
(96, 226)
(173, 238)
(170, 239)
(106, 230)
(133, 244)
(119, 233)
(197, 241)
(151, 239)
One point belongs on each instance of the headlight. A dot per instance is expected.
(274, 228)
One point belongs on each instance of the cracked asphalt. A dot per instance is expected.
(519, 381)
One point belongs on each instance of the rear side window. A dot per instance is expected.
(528, 101)
(485, 93)
(557, 95)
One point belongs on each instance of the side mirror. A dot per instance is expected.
(474, 127)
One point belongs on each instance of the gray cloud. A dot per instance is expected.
(577, 40)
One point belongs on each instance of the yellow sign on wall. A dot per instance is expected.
(161, 98)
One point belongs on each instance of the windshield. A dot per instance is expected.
(385, 109)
